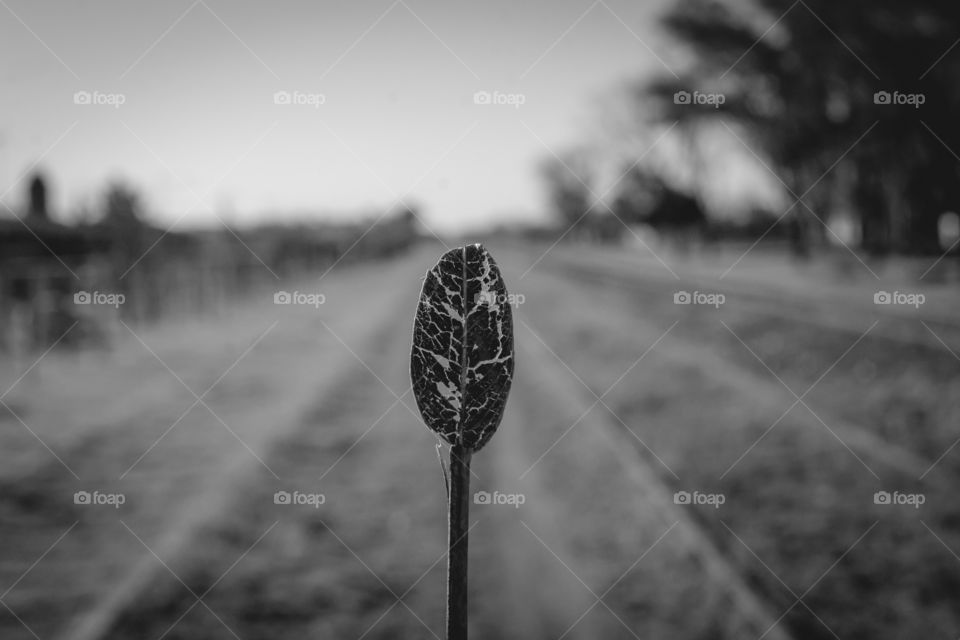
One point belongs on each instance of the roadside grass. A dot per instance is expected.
(798, 499)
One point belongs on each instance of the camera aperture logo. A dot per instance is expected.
(96, 498)
(99, 298)
(699, 498)
(300, 298)
(99, 99)
(299, 98)
(487, 498)
(699, 298)
(299, 498)
(498, 98)
(897, 498)
(699, 98)
(897, 98)
(900, 298)
(489, 297)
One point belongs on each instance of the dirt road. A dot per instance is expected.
(278, 483)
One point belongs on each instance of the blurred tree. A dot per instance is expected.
(644, 197)
(122, 225)
(820, 87)
(638, 194)
(568, 179)
(121, 206)
(37, 207)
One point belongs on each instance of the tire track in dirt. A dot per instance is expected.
(645, 508)
(260, 428)
(515, 589)
(332, 438)
(517, 578)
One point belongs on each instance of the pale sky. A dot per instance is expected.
(397, 80)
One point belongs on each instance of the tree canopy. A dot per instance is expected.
(852, 102)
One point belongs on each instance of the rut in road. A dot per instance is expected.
(516, 590)
(522, 590)
(260, 428)
(645, 507)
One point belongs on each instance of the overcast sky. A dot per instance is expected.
(397, 80)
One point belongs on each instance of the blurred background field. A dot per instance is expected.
(731, 235)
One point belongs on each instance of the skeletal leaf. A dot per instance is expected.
(462, 360)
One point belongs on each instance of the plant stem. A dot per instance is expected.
(457, 543)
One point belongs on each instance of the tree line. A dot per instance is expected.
(852, 107)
